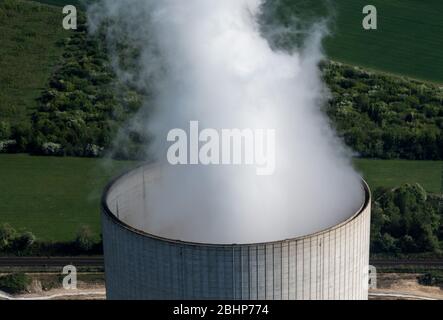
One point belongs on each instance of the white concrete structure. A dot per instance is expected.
(331, 264)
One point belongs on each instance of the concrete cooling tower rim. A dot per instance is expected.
(112, 216)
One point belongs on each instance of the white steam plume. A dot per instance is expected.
(207, 61)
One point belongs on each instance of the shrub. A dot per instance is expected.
(93, 150)
(84, 240)
(7, 146)
(51, 149)
(405, 220)
(15, 283)
(5, 130)
(7, 235)
(434, 278)
(23, 242)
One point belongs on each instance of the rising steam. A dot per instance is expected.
(208, 61)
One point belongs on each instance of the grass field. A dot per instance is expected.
(409, 39)
(53, 197)
(28, 52)
(391, 173)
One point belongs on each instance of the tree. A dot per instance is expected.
(14, 283)
(23, 242)
(85, 239)
(7, 234)
(405, 220)
(5, 130)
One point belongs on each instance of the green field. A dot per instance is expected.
(53, 197)
(28, 53)
(392, 173)
(409, 39)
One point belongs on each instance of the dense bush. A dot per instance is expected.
(13, 241)
(7, 236)
(84, 240)
(433, 278)
(14, 283)
(381, 116)
(8, 146)
(82, 108)
(23, 242)
(405, 220)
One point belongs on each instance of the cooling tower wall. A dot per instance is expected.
(332, 264)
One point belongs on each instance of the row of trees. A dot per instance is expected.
(381, 116)
(25, 243)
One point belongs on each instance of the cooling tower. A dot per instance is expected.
(330, 264)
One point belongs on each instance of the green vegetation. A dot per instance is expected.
(70, 104)
(407, 32)
(7, 235)
(24, 243)
(14, 283)
(53, 197)
(385, 117)
(13, 241)
(84, 107)
(29, 50)
(433, 278)
(393, 173)
(81, 109)
(405, 220)
(77, 114)
(85, 239)
(406, 41)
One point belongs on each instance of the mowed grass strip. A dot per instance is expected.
(408, 40)
(29, 34)
(52, 197)
(392, 173)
